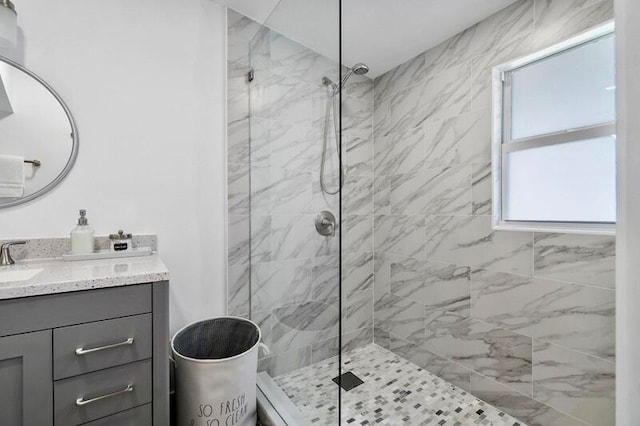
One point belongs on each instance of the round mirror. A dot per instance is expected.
(38, 137)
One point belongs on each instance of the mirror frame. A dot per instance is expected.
(74, 137)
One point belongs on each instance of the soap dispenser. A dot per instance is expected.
(82, 237)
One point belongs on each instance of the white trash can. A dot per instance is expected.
(216, 366)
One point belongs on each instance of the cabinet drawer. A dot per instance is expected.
(81, 399)
(60, 310)
(139, 416)
(89, 347)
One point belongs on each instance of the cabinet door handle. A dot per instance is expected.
(83, 351)
(81, 401)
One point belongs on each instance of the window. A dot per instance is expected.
(554, 151)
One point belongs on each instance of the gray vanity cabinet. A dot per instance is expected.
(25, 379)
(93, 357)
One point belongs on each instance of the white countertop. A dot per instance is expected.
(58, 276)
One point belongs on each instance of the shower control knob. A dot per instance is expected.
(326, 224)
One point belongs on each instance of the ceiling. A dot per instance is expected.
(380, 33)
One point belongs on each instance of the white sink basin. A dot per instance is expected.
(18, 275)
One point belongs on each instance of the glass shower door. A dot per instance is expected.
(294, 218)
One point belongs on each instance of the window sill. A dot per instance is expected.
(559, 228)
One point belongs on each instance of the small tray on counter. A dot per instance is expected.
(108, 254)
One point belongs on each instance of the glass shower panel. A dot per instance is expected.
(294, 263)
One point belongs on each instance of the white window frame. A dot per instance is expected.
(501, 134)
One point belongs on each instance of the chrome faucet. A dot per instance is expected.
(5, 255)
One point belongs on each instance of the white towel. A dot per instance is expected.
(11, 176)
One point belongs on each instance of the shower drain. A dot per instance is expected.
(348, 381)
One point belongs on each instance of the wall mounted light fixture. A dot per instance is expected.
(8, 24)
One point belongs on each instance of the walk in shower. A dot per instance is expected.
(362, 231)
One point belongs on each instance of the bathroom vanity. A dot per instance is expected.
(84, 343)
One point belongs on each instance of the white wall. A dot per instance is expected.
(628, 278)
(145, 80)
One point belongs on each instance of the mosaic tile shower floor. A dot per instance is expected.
(395, 392)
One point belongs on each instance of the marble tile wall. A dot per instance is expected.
(282, 273)
(522, 320)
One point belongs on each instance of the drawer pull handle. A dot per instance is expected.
(81, 401)
(83, 351)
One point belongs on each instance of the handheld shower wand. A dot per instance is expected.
(357, 69)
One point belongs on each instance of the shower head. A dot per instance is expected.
(358, 69)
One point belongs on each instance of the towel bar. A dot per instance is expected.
(36, 163)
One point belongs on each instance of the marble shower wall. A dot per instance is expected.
(282, 273)
(522, 320)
